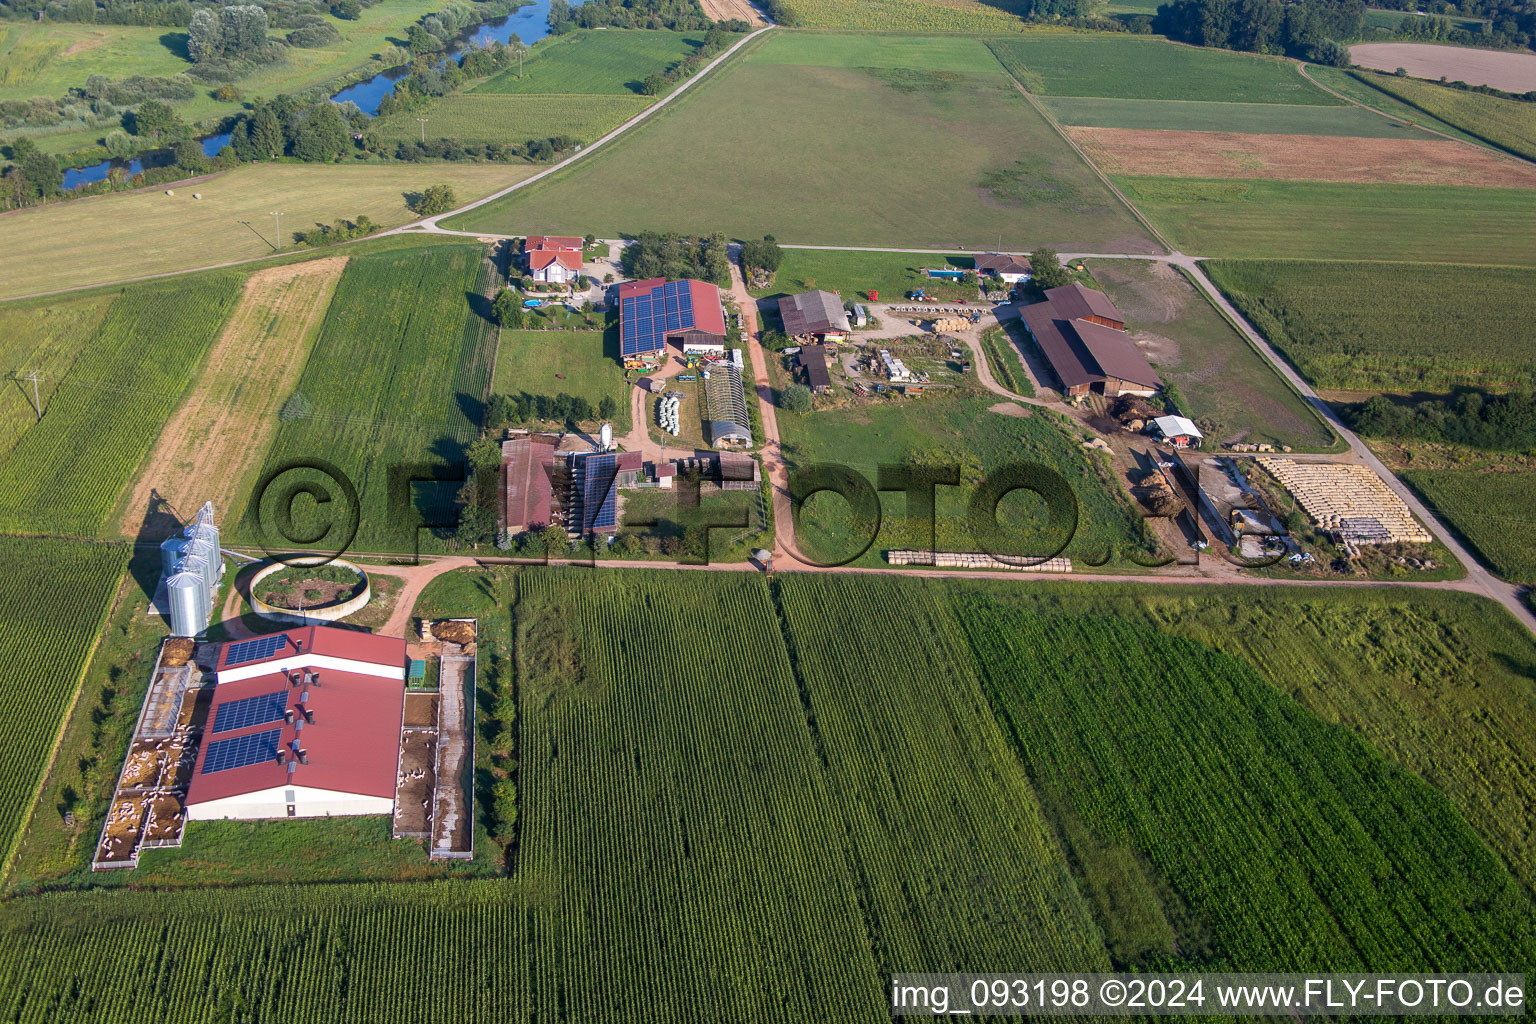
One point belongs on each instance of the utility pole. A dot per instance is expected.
(423, 121)
(36, 403)
(278, 217)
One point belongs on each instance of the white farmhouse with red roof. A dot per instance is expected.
(553, 259)
(303, 724)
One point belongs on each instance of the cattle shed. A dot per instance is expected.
(527, 491)
(813, 362)
(655, 312)
(1086, 353)
(816, 314)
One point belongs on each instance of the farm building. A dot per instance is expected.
(1082, 336)
(527, 491)
(725, 407)
(813, 363)
(595, 480)
(553, 259)
(814, 316)
(654, 312)
(1005, 268)
(303, 724)
(1177, 431)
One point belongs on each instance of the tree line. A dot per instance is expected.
(677, 257)
(1478, 419)
(677, 15)
(1302, 28)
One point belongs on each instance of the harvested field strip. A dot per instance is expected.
(1143, 748)
(67, 471)
(1300, 158)
(1512, 72)
(54, 598)
(216, 438)
(1214, 116)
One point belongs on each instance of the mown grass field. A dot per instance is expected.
(1508, 124)
(836, 50)
(942, 159)
(65, 472)
(54, 596)
(1215, 116)
(1150, 68)
(131, 234)
(1228, 388)
(610, 61)
(528, 362)
(854, 274)
(961, 432)
(415, 320)
(515, 117)
(1493, 513)
(1238, 219)
(846, 755)
(918, 16)
(1390, 326)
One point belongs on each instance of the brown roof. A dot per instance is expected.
(1115, 353)
(1060, 344)
(528, 489)
(812, 313)
(533, 242)
(1002, 263)
(1074, 302)
(813, 358)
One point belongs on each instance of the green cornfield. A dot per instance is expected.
(1508, 124)
(54, 598)
(1493, 512)
(65, 473)
(415, 320)
(752, 800)
(973, 16)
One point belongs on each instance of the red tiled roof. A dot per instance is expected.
(707, 315)
(528, 489)
(534, 242)
(544, 257)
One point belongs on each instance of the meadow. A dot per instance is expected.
(863, 772)
(836, 50)
(580, 363)
(1225, 386)
(1492, 512)
(918, 16)
(65, 473)
(1346, 84)
(1242, 219)
(1149, 68)
(1389, 326)
(54, 596)
(416, 320)
(1508, 124)
(943, 159)
(514, 117)
(1214, 116)
(610, 61)
(962, 432)
(133, 234)
(854, 274)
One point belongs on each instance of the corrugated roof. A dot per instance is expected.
(1074, 302)
(814, 359)
(528, 488)
(1116, 354)
(1059, 344)
(815, 312)
(1177, 426)
(328, 640)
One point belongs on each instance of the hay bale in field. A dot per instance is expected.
(454, 632)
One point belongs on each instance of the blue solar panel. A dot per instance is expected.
(255, 650)
(249, 711)
(646, 318)
(241, 751)
(599, 496)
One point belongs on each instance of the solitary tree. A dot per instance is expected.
(1047, 270)
(607, 408)
(436, 199)
(508, 309)
(796, 398)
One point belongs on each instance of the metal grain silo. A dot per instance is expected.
(189, 604)
(171, 550)
(208, 552)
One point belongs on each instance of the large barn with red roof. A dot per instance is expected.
(656, 311)
(303, 724)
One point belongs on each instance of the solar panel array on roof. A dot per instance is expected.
(240, 751)
(600, 499)
(649, 318)
(249, 711)
(255, 650)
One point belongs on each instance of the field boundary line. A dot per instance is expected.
(430, 223)
(1050, 119)
(24, 824)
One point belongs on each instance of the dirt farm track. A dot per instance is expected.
(1512, 72)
